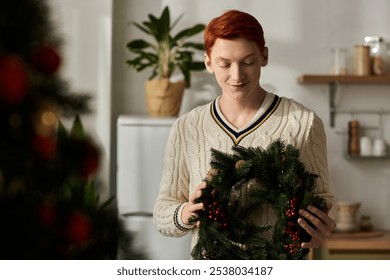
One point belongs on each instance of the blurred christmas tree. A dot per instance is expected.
(49, 205)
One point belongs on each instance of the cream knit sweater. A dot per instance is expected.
(187, 155)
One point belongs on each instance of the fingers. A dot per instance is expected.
(329, 206)
(321, 225)
(318, 218)
(197, 193)
(189, 212)
(191, 208)
(316, 239)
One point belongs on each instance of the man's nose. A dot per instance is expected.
(237, 73)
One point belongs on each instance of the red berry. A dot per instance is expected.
(293, 203)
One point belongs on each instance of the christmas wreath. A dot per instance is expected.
(239, 187)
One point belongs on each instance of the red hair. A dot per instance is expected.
(233, 24)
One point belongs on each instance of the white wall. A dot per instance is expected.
(85, 28)
(300, 35)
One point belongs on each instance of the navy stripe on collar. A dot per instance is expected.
(238, 136)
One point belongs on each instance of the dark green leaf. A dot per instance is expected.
(61, 131)
(165, 23)
(155, 21)
(90, 197)
(155, 30)
(77, 130)
(138, 44)
(186, 73)
(147, 31)
(188, 32)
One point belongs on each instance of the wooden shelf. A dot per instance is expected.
(385, 157)
(343, 79)
(334, 80)
(376, 241)
(355, 246)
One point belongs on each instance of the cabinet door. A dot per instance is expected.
(140, 156)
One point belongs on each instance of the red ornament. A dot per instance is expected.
(45, 146)
(46, 60)
(78, 228)
(13, 79)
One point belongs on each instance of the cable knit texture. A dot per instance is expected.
(187, 156)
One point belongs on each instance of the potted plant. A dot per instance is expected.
(164, 55)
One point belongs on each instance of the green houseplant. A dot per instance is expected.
(164, 55)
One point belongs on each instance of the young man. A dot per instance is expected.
(244, 114)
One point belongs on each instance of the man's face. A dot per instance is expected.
(236, 65)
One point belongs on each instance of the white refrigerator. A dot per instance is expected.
(141, 145)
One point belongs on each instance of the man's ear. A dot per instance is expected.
(207, 63)
(264, 60)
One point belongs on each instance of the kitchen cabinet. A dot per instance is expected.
(373, 245)
(333, 81)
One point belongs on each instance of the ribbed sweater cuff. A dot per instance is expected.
(177, 219)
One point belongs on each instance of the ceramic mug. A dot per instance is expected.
(346, 216)
(379, 147)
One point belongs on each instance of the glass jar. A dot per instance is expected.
(339, 66)
(377, 52)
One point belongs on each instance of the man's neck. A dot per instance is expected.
(240, 112)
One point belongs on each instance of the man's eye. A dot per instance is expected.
(249, 62)
(224, 65)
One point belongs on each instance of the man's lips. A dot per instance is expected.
(239, 84)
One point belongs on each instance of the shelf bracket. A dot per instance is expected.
(332, 102)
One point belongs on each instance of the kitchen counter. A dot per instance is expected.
(357, 245)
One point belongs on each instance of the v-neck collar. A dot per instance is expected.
(269, 105)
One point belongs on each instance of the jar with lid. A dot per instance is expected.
(377, 52)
